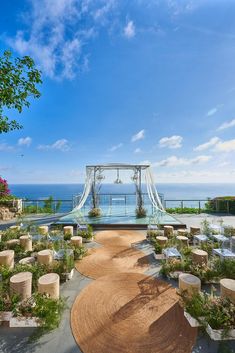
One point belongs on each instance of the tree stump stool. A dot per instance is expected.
(182, 232)
(27, 260)
(168, 231)
(195, 231)
(12, 242)
(45, 257)
(227, 289)
(21, 284)
(43, 230)
(26, 243)
(50, 284)
(199, 257)
(161, 240)
(182, 240)
(68, 230)
(7, 258)
(189, 283)
(76, 241)
(15, 227)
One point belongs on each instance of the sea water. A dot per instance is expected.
(170, 191)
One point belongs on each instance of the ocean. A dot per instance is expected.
(170, 191)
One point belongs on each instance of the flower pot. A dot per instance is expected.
(5, 316)
(158, 256)
(191, 320)
(218, 335)
(85, 240)
(22, 321)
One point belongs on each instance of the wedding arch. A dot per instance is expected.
(140, 173)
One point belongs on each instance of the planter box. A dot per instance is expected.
(158, 256)
(217, 335)
(192, 321)
(5, 316)
(24, 322)
(85, 240)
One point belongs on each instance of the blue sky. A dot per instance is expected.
(124, 81)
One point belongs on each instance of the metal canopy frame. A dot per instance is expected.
(94, 179)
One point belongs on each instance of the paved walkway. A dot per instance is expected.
(61, 340)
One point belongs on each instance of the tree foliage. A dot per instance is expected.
(18, 80)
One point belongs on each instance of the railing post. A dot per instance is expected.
(37, 206)
(199, 206)
(182, 205)
(228, 208)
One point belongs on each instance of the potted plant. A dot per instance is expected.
(157, 250)
(94, 212)
(7, 305)
(193, 308)
(220, 318)
(79, 252)
(86, 234)
(140, 212)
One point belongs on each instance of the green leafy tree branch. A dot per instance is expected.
(18, 80)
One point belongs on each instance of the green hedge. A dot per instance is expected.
(223, 204)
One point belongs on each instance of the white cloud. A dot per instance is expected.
(137, 150)
(116, 147)
(129, 30)
(59, 145)
(174, 161)
(139, 136)
(171, 142)
(25, 141)
(57, 31)
(211, 112)
(225, 146)
(4, 147)
(212, 142)
(227, 125)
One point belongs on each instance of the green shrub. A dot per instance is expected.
(86, 234)
(222, 204)
(49, 312)
(184, 210)
(94, 212)
(158, 248)
(141, 212)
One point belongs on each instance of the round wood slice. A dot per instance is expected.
(21, 284)
(50, 284)
(7, 258)
(227, 289)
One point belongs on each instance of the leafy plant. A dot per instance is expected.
(4, 189)
(86, 233)
(49, 312)
(79, 252)
(141, 212)
(193, 304)
(219, 313)
(206, 227)
(158, 248)
(18, 79)
(184, 210)
(94, 212)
